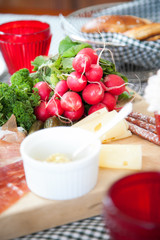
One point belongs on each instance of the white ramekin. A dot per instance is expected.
(60, 181)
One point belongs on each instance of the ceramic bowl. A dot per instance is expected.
(60, 181)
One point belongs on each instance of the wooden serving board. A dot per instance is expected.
(32, 213)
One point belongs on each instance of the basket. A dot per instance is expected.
(130, 55)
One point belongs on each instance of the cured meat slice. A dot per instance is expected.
(12, 184)
(150, 136)
(145, 118)
(10, 140)
(12, 177)
(148, 126)
(10, 133)
(9, 152)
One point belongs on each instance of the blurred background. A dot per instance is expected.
(51, 7)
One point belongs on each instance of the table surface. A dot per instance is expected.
(92, 228)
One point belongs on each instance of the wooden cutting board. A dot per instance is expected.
(32, 213)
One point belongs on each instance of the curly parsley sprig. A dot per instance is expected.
(19, 99)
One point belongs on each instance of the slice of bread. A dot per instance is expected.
(113, 23)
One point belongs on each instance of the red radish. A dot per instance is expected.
(95, 73)
(96, 107)
(103, 86)
(44, 90)
(76, 81)
(116, 97)
(115, 84)
(54, 107)
(93, 93)
(109, 100)
(74, 115)
(61, 88)
(71, 101)
(81, 63)
(41, 111)
(90, 52)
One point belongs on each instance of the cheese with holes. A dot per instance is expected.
(98, 119)
(123, 156)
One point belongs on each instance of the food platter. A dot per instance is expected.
(32, 213)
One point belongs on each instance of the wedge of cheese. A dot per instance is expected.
(125, 156)
(96, 120)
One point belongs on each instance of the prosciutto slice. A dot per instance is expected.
(12, 184)
(10, 140)
(12, 177)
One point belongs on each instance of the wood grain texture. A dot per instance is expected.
(32, 213)
(51, 7)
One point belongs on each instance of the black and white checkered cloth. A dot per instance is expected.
(91, 228)
(145, 54)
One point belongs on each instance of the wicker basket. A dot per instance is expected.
(131, 56)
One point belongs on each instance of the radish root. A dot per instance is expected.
(65, 120)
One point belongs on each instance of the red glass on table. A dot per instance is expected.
(131, 207)
(22, 41)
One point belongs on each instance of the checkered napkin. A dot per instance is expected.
(88, 229)
(144, 54)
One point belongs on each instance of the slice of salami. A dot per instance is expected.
(145, 118)
(12, 184)
(152, 137)
(142, 124)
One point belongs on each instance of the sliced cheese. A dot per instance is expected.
(124, 156)
(96, 120)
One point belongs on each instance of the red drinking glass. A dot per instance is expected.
(22, 41)
(131, 207)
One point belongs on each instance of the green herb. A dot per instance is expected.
(72, 52)
(109, 68)
(53, 80)
(65, 44)
(67, 64)
(18, 99)
(126, 95)
(68, 48)
(38, 61)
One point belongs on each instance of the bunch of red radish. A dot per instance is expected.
(83, 86)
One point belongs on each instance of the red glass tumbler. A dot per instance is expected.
(131, 207)
(22, 41)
